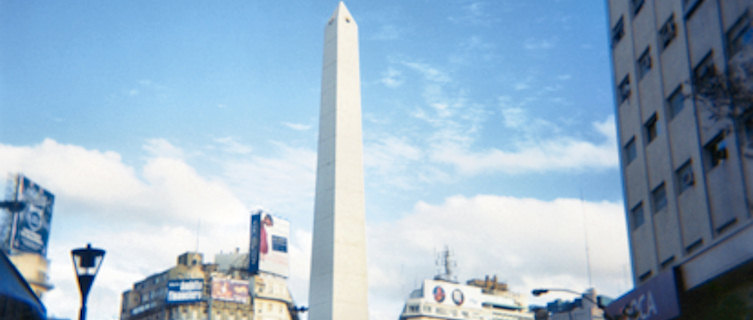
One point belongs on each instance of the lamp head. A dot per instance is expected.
(538, 292)
(87, 261)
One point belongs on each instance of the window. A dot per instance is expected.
(630, 151)
(668, 31)
(623, 90)
(676, 102)
(685, 177)
(618, 31)
(693, 246)
(644, 63)
(644, 276)
(636, 216)
(636, 5)
(704, 73)
(667, 262)
(690, 6)
(659, 198)
(739, 36)
(651, 129)
(716, 150)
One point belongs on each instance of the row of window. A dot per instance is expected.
(715, 151)
(738, 37)
(667, 32)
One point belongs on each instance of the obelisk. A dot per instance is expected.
(338, 288)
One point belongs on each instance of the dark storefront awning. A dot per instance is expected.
(17, 301)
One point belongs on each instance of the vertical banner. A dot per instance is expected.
(31, 226)
(253, 254)
(269, 244)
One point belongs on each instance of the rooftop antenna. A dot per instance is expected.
(585, 236)
(446, 265)
(198, 231)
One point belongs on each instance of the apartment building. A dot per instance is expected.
(680, 71)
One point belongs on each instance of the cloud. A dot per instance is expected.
(475, 13)
(282, 180)
(539, 44)
(428, 72)
(163, 149)
(297, 126)
(143, 216)
(387, 32)
(392, 78)
(146, 216)
(232, 146)
(527, 242)
(548, 154)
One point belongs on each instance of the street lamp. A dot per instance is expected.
(87, 262)
(538, 292)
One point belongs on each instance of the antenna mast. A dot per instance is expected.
(585, 236)
(446, 266)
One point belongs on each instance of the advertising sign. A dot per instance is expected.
(269, 244)
(452, 294)
(230, 290)
(184, 290)
(655, 299)
(31, 226)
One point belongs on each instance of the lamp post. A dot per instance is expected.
(87, 262)
(538, 292)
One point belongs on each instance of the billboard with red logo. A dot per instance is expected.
(269, 244)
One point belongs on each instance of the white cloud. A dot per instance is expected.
(144, 217)
(297, 126)
(387, 32)
(232, 146)
(282, 181)
(474, 13)
(528, 243)
(550, 154)
(162, 148)
(428, 72)
(539, 44)
(392, 78)
(90, 176)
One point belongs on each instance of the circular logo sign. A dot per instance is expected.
(34, 218)
(438, 294)
(457, 297)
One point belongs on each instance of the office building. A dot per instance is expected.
(194, 290)
(686, 143)
(338, 285)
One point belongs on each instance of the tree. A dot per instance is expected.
(726, 94)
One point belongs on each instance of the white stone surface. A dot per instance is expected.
(338, 285)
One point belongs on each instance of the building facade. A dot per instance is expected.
(685, 132)
(194, 290)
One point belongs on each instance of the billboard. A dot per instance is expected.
(230, 290)
(452, 294)
(30, 227)
(269, 244)
(184, 290)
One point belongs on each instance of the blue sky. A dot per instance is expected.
(149, 118)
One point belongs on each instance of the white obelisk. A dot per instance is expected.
(338, 285)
